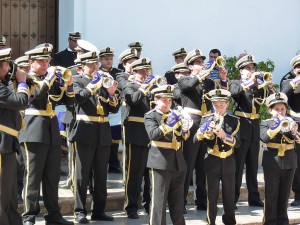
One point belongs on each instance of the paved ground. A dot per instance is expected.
(244, 215)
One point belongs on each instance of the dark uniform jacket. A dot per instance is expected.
(270, 155)
(43, 129)
(170, 76)
(64, 58)
(162, 158)
(215, 164)
(88, 132)
(137, 104)
(242, 101)
(177, 95)
(191, 96)
(10, 104)
(293, 95)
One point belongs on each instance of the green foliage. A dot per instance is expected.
(234, 74)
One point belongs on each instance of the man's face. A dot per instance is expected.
(72, 44)
(143, 73)
(107, 61)
(25, 69)
(163, 104)
(89, 68)
(196, 66)
(4, 68)
(181, 74)
(127, 65)
(279, 109)
(179, 59)
(39, 66)
(213, 56)
(296, 69)
(220, 107)
(247, 71)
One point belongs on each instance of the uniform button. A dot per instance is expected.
(222, 145)
(283, 140)
(223, 150)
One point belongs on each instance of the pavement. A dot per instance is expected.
(115, 200)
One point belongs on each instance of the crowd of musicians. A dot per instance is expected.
(171, 127)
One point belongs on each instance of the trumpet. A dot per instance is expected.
(160, 80)
(62, 73)
(266, 77)
(218, 120)
(287, 124)
(185, 118)
(220, 61)
(107, 80)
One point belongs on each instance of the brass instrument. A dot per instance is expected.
(160, 80)
(185, 118)
(107, 80)
(287, 124)
(220, 61)
(62, 73)
(218, 120)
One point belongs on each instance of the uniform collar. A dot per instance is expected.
(105, 70)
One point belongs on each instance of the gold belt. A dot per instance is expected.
(175, 145)
(219, 154)
(281, 147)
(246, 115)
(9, 130)
(136, 119)
(98, 119)
(36, 112)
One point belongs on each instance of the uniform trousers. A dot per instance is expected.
(278, 184)
(247, 154)
(136, 161)
(213, 184)
(296, 180)
(90, 158)
(194, 156)
(42, 164)
(167, 187)
(8, 190)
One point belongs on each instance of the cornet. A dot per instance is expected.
(62, 73)
(287, 124)
(160, 80)
(220, 61)
(218, 120)
(107, 80)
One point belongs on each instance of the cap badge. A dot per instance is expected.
(218, 92)
(77, 34)
(277, 96)
(94, 55)
(45, 50)
(250, 58)
(197, 52)
(144, 61)
(107, 49)
(137, 44)
(182, 50)
(169, 89)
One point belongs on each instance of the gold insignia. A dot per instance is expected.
(250, 58)
(197, 51)
(137, 44)
(182, 50)
(77, 34)
(218, 92)
(144, 61)
(107, 49)
(94, 55)
(45, 51)
(277, 96)
(169, 89)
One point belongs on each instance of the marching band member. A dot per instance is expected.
(40, 138)
(179, 56)
(136, 94)
(193, 89)
(165, 159)
(279, 158)
(220, 132)
(135, 46)
(247, 98)
(290, 86)
(91, 137)
(10, 124)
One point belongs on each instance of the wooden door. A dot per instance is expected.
(28, 23)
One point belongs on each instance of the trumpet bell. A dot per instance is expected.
(161, 81)
(220, 61)
(65, 73)
(108, 80)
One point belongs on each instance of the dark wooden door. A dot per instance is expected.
(27, 23)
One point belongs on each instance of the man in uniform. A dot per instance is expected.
(247, 98)
(66, 57)
(213, 55)
(10, 124)
(179, 56)
(290, 86)
(136, 95)
(193, 89)
(91, 137)
(106, 57)
(134, 45)
(40, 138)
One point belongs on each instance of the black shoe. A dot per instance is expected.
(115, 170)
(201, 207)
(101, 216)
(81, 218)
(258, 203)
(184, 210)
(295, 203)
(133, 215)
(60, 221)
(28, 223)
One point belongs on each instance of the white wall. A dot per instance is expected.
(266, 29)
